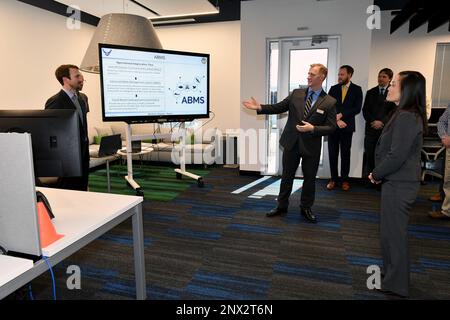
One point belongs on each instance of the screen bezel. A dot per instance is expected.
(157, 118)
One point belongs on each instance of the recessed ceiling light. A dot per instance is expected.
(160, 23)
(185, 15)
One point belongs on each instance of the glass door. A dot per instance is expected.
(289, 62)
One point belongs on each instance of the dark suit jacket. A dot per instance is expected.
(322, 116)
(376, 108)
(62, 101)
(397, 155)
(351, 106)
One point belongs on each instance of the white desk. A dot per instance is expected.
(12, 267)
(83, 217)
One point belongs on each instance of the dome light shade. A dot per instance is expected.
(120, 29)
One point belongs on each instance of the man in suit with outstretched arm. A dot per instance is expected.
(312, 114)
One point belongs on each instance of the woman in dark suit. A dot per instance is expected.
(397, 167)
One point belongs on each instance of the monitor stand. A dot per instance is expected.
(179, 172)
(182, 171)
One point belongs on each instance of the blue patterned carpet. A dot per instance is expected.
(208, 243)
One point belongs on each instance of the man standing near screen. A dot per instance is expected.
(312, 114)
(70, 97)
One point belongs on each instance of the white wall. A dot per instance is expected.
(34, 43)
(405, 51)
(222, 42)
(264, 19)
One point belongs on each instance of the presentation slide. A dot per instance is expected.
(153, 84)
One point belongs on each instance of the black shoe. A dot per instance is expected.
(307, 213)
(276, 212)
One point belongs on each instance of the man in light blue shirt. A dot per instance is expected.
(444, 133)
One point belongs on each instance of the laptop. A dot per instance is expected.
(109, 145)
(136, 146)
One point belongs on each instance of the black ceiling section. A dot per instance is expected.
(419, 12)
(387, 5)
(438, 20)
(229, 10)
(61, 9)
(145, 7)
(416, 12)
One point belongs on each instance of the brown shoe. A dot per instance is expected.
(437, 215)
(331, 185)
(345, 186)
(436, 198)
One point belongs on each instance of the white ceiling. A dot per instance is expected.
(164, 8)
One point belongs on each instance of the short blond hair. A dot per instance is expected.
(322, 69)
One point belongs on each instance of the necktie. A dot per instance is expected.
(308, 105)
(77, 104)
(382, 91)
(344, 93)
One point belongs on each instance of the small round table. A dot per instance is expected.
(140, 154)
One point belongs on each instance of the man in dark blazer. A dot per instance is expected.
(312, 114)
(376, 112)
(70, 97)
(349, 101)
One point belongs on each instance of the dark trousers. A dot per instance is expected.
(370, 143)
(397, 199)
(343, 141)
(310, 164)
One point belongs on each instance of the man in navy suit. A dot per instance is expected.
(70, 97)
(376, 111)
(311, 115)
(349, 102)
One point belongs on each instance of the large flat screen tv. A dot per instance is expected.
(55, 139)
(153, 85)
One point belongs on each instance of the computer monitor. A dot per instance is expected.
(55, 139)
(153, 85)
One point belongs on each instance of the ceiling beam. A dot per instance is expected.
(61, 9)
(145, 7)
(407, 12)
(422, 16)
(442, 17)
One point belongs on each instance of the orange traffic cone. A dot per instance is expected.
(46, 228)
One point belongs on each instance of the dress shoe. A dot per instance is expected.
(436, 198)
(307, 213)
(331, 185)
(345, 186)
(276, 212)
(438, 215)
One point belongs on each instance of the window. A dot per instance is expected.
(440, 96)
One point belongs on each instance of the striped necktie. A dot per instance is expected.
(77, 104)
(308, 105)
